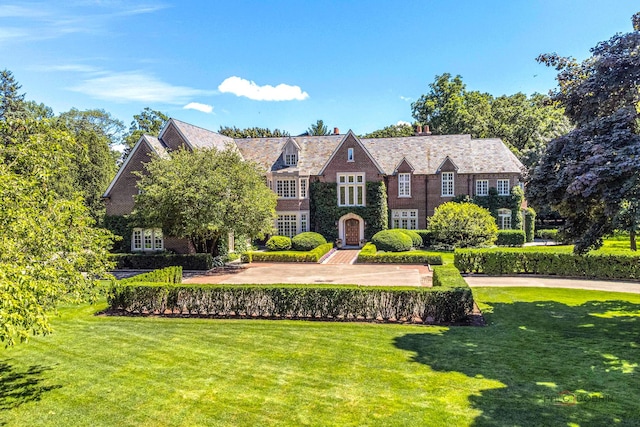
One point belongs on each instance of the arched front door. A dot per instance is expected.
(352, 232)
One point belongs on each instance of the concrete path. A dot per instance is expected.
(551, 282)
(359, 274)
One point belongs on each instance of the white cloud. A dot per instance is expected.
(137, 87)
(249, 89)
(198, 106)
(403, 123)
(406, 98)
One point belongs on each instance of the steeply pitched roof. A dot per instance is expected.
(199, 137)
(427, 153)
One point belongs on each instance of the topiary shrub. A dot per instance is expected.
(462, 225)
(529, 224)
(510, 238)
(307, 241)
(279, 243)
(392, 241)
(415, 237)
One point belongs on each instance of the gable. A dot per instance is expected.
(172, 137)
(351, 156)
(448, 166)
(404, 167)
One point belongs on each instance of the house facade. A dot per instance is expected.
(340, 185)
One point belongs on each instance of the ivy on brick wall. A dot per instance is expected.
(493, 202)
(325, 211)
(120, 226)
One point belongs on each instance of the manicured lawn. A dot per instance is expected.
(150, 371)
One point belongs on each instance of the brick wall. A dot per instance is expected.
(361, 162)
(171, 137)
(120, 201)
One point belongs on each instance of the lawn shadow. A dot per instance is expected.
(18, 387)
(560, 364)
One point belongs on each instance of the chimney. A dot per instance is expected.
(418, 129)
(336, 131)
(426, 130)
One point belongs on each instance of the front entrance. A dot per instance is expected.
(352, 232)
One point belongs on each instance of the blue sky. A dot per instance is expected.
(284, 64)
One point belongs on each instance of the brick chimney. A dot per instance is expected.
(336, 131)
(426, 130)
(418, 129)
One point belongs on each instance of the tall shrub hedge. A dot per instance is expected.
(164, 275)
(149, 262)
(596, 266)
(510, 238)
(322, 302)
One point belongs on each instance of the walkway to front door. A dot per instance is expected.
(343, 256)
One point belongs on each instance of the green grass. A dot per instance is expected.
(154, 371)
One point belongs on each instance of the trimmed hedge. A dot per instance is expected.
(596, 266)
(279, 243)
(392, 241)
(529, 223)
(550, 234)
(369, 254)
(416, 239)
(511, 238)
(307, 241)
(318, 302)
(426, 237)
(288, 256)
(155, 261)
(448, 276)
(165, 275)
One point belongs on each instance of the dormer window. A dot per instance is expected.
(350, 155)
(291, 159)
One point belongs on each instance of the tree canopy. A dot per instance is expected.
(204, 195)
(591, 174)
(318, 129)
(148, 122)
(392, 131)
(254, 132)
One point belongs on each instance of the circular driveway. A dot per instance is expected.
(552, 282)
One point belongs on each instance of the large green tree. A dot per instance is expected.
(392, 131)
(590, 173)
(318, 129)
(204, 195)
(50, 250)
(149, 122)
(12, 104)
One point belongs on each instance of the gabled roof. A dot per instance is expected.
(364, 148)
(404, 160)
(427, 153)
(154, 144)
(197, 137)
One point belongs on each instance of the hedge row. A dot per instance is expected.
(165, 275)
(321, 302)
(511, 238)
(448, 276)
(596, 266)
(148, 261)
(369, 254)
(550, 234)
(288, 256)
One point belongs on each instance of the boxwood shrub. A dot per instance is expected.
(164, 275)
(155, 261)
(369, 254)
(596, 266)
(288, 256)
(307, 241)
(392, 241)
(416, 239)
(511, 238)
(279, 243)
(550, 234)
(426, 237)
(448, 276)
(319, 302)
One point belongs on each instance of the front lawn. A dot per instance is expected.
(541, 348)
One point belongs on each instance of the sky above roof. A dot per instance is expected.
(285, 64)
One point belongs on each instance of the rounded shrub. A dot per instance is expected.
(392, 241)
(279, 243)
(307, 241)
(415, 237)
(462, 225)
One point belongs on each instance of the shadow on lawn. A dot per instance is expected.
(18, 387)
(551, 357)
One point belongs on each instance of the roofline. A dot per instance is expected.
(126, 162)
(373, 160)
(404, 159)
(173, 122)
(439, 169)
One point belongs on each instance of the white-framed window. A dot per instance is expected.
(482, 187)
(147, 239)
(291, 159)
(304, 184)
(404, 185)
(292, 223)
(350, 157)
(286, 188)
(351, 189)
(504, 219)
(447, 184)
(404, 218)
(503, 187)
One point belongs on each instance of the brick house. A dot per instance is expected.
(328, 183)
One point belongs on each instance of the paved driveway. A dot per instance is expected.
(360, 274)
(552, 282)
